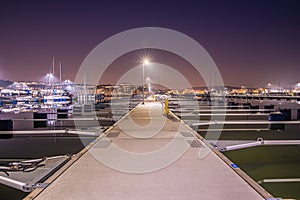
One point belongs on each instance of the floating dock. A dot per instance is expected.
(259, 142)
(192, 171)
(28, 180)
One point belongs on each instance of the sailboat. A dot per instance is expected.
(57, 98)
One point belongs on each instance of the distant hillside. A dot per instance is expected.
(5, 83)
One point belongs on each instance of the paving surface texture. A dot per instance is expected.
(149, 156)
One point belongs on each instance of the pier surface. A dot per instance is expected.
(190, 176)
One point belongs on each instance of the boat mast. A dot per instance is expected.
(60, 86)
(53, 65)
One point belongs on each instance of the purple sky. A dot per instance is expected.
(252, 42)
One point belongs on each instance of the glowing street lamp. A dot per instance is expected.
(50, 77)
(146, 62)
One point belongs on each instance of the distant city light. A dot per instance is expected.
(50, 75)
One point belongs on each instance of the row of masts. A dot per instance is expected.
(85, 98)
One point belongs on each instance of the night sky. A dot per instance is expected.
(252, 42)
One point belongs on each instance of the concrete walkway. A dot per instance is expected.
(164, 149)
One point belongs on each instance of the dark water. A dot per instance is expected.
(268, 162)
(8, 193)
(271, 162)
(37, 146)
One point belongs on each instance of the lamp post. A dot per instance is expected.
(146, 62)
(48, 79)
(148, 84)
